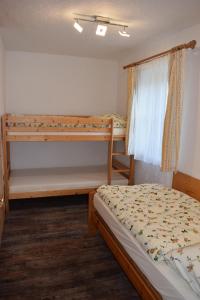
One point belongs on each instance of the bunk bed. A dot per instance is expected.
(32, 183)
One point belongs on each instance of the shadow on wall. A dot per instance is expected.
(190, 138)
(147, 173)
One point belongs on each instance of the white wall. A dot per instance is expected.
(55, 84)
(190, 140)
(2, 101)
(189, 160)
(2, 77)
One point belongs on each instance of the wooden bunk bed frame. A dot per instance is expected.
(181, 182)
(57, 128)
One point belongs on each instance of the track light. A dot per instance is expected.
(78, 27)
(101, 30)
(124, 33)
(102, 24)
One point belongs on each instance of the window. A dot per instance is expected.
(148, 113)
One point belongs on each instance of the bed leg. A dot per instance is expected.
(91, 215)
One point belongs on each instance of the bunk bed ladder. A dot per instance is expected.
(116, 166)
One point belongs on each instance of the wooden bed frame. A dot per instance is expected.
(181, 182)
(12, 128)
(27, 128)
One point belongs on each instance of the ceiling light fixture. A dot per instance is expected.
(101, 30)
(124, 33)
(102, 24)
(77, 26)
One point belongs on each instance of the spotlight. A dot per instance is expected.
(78, 27)
(101, 30)
(124, 33)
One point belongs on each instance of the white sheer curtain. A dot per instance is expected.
(150, 98)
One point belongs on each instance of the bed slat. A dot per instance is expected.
(56, 119)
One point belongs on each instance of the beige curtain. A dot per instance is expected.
(172, 123)
(131, 89)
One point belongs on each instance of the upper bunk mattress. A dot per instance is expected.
(116, 132)
(119, 127)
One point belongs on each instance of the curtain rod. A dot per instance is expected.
(190, 44)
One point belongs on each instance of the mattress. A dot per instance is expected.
(116, 132)
(48, 179)
(166, 281)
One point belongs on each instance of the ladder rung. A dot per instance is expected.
(119, 153)
(120, 170)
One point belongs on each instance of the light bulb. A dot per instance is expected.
(124, 33)
(78, 27)
(101, 30)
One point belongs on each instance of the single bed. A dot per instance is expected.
(152, 280)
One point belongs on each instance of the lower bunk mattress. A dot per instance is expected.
(64, 178)
(165, 279)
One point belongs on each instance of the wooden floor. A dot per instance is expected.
(47, 254)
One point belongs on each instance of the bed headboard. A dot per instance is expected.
(187, 184)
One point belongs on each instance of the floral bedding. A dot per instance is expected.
(186, 261)
(118, 122)
(164, 221)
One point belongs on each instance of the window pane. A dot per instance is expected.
(149, 110)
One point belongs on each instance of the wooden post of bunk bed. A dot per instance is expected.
(6, 155)
(110, 152)
(131, 174)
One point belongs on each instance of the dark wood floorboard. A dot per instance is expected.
(47, 254)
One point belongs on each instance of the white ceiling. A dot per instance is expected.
(47, 25)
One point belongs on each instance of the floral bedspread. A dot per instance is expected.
(186, 261)
(161, 219)
(165, 222)
(118, 122)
